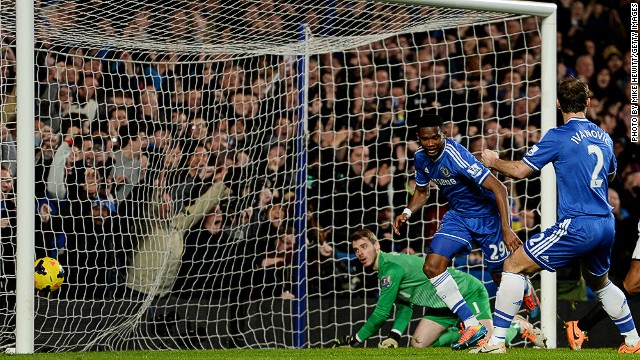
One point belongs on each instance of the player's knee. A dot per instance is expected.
(520, 263)
(416, 342)
(510, 265)
(595, 283)
(432, 270)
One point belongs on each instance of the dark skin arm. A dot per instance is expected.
(513, 169)
(418, 200)
(511, 240)
(434, 264)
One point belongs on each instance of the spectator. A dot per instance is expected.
(7, 250)
(354, 185)
(148, 109)
(118, 118)
(87, 103)
(190, 180)
(492, 135)
(276, 170)
(47, 143)
(284, 132)
(61, 169)
(7, 86)
(8, 149)
(160, 246)
(206, 263)
(127, 166)
(58, 94)
(623, 246)
(83, 222)
(197, 134)
(273, 275)
(584, 68)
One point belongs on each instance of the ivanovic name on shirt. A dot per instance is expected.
(583, 134)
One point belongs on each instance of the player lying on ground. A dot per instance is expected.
(584, 163)
(478, 214)
(577, 329)
(402, 282)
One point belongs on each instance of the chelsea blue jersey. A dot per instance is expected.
(583, 158)
(459, 176)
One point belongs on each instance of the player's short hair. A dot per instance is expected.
(363, 233)
(430, 120)
(572, 95)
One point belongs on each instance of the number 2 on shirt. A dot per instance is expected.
(595, 181)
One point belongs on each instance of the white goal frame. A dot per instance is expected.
(25, 170)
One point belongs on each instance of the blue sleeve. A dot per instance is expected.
(466, 164)
(470, 167)
(543, 152)
(422, 177)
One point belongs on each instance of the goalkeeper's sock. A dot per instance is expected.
(614, 302)
(448, 291)
(447, 338)
(512, 332)
(508, 303)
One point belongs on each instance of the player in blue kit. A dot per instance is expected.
(584, 162)
(478, 215)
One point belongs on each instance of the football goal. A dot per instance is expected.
(198, 166)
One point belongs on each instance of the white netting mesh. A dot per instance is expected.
(237, 28)
(142, 107)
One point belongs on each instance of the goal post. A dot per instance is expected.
(244, 93)
(300, 320)
(25, 172)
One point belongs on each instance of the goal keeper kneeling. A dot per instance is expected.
(403, 283)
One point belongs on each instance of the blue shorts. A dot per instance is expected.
(457, 235)
(588, 238)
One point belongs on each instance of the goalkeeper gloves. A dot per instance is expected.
(390, 342)
(346, 341)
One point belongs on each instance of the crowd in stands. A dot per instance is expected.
(128, 141)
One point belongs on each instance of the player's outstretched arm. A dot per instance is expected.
(513, 169)
(418, 200)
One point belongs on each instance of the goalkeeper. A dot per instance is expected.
(402, 282)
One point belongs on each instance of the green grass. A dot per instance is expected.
(317, 354)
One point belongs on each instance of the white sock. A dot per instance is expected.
(615, 304)
(508, 302)
(448, 291)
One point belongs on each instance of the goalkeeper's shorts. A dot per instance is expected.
(478, 303)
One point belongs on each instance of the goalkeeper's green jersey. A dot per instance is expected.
(402, 282)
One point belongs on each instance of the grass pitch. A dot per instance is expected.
(316, 354)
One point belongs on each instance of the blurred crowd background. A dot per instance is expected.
(129, 141)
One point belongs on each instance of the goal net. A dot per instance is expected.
(200, 165)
